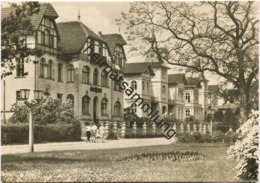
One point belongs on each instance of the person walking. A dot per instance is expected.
(88, 132)
(102, 133)
(94, 132)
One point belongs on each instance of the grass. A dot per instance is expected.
(111, 165)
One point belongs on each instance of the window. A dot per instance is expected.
(187, 112)
(59, 72)
(134, 107)
(42, 65)
(85, 74)
(49, 69)
(100, 51)
(59, 96)
(85, 105)
(104, 81)
(70, 73)
(164, 73)
(104, 103)
(47, 38)
(143, 85)
(134, 85)
(148, 87)
(120, 62)
(163, 89)
(187, 97)
(95, 77)
(19, 67)
(70, 99)
(117, 109)
(18, 96)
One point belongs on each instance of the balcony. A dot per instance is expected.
(154, 99)
(171, 102)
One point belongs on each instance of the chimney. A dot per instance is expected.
(79, 15)
(99, 33)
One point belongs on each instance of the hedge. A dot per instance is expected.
(217, 136)
(19, 133)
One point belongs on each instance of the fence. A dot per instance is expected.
(121, 131)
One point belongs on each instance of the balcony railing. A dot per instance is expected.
(154, 98)
(170, 101)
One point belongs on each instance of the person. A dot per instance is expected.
(94, 132)
(102, 132)
(98, 135)
(88, 133)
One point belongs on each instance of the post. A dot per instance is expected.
(188, 128)
(204, 129)
(115, 127)
(106, 129)
(144, 128)
(181, 128)
(31, 130)
(123, 129)
(134, 128)
(194, 128)
(154, 128)
(174, 127)
(200, 128)
(4, 103)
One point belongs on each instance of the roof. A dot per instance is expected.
(176, 78)
(112, 40)
(159, 64)
(213, 88)
(193, 81)
(138, 68)
(46, 9)
(73, 35)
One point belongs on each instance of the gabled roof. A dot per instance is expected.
(159, 64)
(138, 68)
(213, 88)
(74, 34)
(46, 9)
(112, 40)
(176, 79)
(193, 81)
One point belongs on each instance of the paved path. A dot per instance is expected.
(109, 144)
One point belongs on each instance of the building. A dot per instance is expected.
(173, 95)
(64, 69)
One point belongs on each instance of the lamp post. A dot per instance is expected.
(211, 119)
(37, 96)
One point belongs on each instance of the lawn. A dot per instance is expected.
(110, 165)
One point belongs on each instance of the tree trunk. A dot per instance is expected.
(244, 104)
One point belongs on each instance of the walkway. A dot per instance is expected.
(63, 146)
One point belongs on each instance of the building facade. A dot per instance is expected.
(65, 70)
(175, 96)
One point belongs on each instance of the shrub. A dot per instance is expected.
(217, 136)
(196, 137)
(18, 133)
(220, 126)
(245, 150)
(48, 111)
(112, 136)
(230, 137)
(184, 137)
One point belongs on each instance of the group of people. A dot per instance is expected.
(94, 133)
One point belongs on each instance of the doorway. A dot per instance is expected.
(95, 103)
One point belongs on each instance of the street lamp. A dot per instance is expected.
(211, 119)
(37, 96)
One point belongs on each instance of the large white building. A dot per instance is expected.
(65, 71)
(173, 95)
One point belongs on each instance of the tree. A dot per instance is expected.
(217, 37)
(14, 29)
(130, 116)
(230, 95)
(48, 111)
